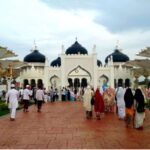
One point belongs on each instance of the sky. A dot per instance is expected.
(53, 23)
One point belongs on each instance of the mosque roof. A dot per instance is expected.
(35, 56)
(76, 48)
(117, 56)
(56, 62)
(99, 63)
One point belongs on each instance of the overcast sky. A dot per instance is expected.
(52, 23)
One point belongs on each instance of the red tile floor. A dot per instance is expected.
(63, 125)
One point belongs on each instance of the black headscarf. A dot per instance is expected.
(139, 97)
(128, 98)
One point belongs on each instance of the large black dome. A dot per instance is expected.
(76, 48)
(99, 63)
(35, 56)
(56, 62)
(117, 56)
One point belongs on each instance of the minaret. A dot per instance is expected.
(62, 49)
(94, 48)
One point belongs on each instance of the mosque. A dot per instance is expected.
(75, 67)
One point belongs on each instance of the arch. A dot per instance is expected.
(40, 83)
(127, 82)
(79, 71)
(54, 81)
(33, 83)
(70, 82)
(76, 82)
(120, 82)
(103, 79)
(84, 82)
(25, 82)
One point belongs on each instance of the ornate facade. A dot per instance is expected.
(75, 68)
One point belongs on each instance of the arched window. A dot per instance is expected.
(76, 82)
(33, 84)
(127, 82)
(40, 83)
(84, 82)
(120, 82)
(70, 82)
(25, 82)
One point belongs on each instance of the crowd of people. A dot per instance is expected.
(129, 104)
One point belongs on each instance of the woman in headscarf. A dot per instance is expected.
(109, 96)
(128, 98)
(139, 107)
(87, 101)
(98, 104)
(120, 102)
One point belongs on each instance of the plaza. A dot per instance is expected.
(63, 125)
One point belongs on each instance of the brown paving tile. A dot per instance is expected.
(63, 125)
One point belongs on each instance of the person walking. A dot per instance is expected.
(12, 97)
(129, 110)
(87, 101)
(139, 109)
(26, 98)
(39, 98)
(120, 102)
(98, 104)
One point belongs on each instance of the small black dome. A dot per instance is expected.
(56, 62)
(35, 56)
(117, 56)
(99, 63)
(76, 48)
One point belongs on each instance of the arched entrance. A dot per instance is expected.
(79, 77)
(102, 80)
(54, 81)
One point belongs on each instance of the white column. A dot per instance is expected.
(112, 76)
(94, 67)
(63, 70)
(45, 79)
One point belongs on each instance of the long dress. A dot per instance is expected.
(87, 102)
(109, 96)
(120, 102)
(128, 98)
(99, 102)
(139, 115)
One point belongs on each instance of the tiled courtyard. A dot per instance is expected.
(63, 125)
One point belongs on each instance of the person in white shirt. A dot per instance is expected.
(39, 98)
(12, 97)
(26, 98)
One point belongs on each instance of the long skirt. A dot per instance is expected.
(121, 112)
(129, 116)
(139, 119)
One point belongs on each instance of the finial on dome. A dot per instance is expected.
(94, 48)
(76, 39)
(117, 44)
(62, 49)
(35, 46)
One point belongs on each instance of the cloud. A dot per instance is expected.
(53, 23)
(117, 15)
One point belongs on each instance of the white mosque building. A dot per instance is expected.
(75, 67)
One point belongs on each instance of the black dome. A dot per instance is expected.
(117, 57)
(56, 62)
(76, 48)
(35, 56)
(99, 63)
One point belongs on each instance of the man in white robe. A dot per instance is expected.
(12, 97)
